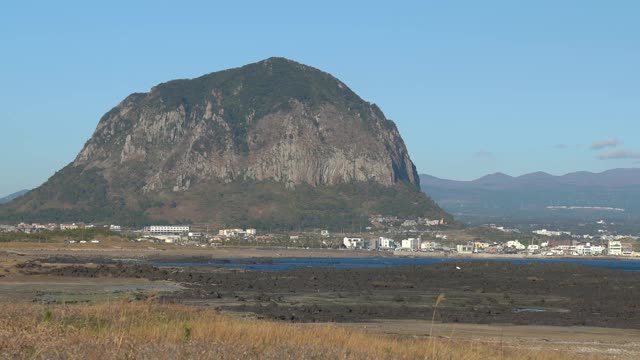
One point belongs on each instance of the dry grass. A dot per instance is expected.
(148, 330)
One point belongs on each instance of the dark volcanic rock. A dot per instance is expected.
(481, 292)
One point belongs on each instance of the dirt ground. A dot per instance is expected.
(168, 251)
(603, 343)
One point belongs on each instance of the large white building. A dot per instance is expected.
(464, 248)
(545, 232)
(411, 243)
(614, 248)
(68, 226)
(429, 245)
(232, 232)
(166, 229)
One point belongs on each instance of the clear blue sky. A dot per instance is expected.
(475, 87)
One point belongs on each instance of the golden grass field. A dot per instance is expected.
(147, 330)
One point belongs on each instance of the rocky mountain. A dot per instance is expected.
(530, 195)
(13, 196)
(270, 143)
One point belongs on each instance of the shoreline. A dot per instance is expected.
(247, 252)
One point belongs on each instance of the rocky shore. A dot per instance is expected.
(482, 292)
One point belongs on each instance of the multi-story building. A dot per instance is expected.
(68, 226)
(231, 232)
(411, 243)
(386, 243)
(614, 248)
(430, 245)
(166, 229)
(464, 249)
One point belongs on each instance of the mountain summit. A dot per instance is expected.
(274, 142)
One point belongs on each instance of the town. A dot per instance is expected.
(402, 237)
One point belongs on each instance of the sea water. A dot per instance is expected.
(282, 264)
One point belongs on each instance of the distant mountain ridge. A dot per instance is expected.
(501, 195)
(609, 178)
(13, 196)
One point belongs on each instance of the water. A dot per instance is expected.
(283, 264)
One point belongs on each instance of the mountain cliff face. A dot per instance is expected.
(272, 124)
(274, 120)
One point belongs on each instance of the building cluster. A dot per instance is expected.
(391, 221)
(545, 232)
(384, 243)
(35, 228)
(503, 229)
(423, 222)
(237, 232)
(550, 248)
(185, 234)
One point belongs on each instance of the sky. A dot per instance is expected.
(475, 87)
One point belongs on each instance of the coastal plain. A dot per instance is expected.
(558, 307)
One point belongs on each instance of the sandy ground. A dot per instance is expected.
(55, 289)
(603, 342)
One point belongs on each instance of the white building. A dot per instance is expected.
(251, 232)
(68, 226)
(411, 243)
(353, 243)
(386, 243)
(429, 245)
(515, 244)
(596, 249)
(231, 232)
(464, 249)
(545, 232)
(614, 248)
(166, 229)
(433, 222)
(7, 228)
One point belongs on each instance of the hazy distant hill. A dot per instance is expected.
(274, 144)
(15, 195)
(528, 196)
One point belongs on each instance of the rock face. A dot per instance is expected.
(275, 121)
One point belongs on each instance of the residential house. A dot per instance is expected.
(353, 243)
